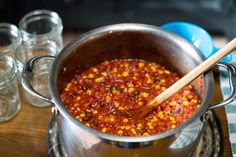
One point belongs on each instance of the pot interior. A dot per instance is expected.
(159, 47)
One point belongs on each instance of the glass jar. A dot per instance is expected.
(9, 95)
(43, 24)
(40, 82)
(10, 38)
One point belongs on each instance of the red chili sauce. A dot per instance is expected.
(96, 96)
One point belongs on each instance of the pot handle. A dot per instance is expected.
(27, 76)
(232, 84)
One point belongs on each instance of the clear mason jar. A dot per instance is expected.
(43, 24)
(10, 38)
(40, 82)
(9, 95)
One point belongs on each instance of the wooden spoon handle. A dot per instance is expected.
(193, 74)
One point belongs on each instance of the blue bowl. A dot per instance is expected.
(199, 37)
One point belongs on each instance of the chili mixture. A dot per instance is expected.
(96, 96)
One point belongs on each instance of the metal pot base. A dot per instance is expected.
(210, 144)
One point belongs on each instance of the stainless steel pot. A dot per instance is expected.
(127, 41)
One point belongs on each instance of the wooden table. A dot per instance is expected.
(25, 135)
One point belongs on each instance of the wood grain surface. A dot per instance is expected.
(25, 135)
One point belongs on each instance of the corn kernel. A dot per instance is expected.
(131, 90)
(190, 86)
(149, 124)
(163, 88)
(126, 65)
(167, 71)
(78, 109)
(160, 71)
(172, 118)
(104, 74)
(112, 119)
(106, 62)
(125, 120)
(150, 127)
(167, 112)
(172, 103)
(91, 76)
(95, 112)
(120, 132)
(184, 98)
(121, 108)
(190, 96)
(127, 127)
(163, 81)
(140, 103)
(82, 115)
(122, 127)
(185, 103)
(68, 85)
(160, 114)
(153, 68)
(135, 78)
(114, 91)
(116, 104)
(173, 126)
(144, 94)
(98, 79)
(157, 86)
(77, 117)
(194, 101)
(139, 125)
(125, 73)
(114, 70)
(89, 92)
(154, 118)
(95, 70)
(87, 124)
(78, 98)
(147, 75)
(104, 129)
(133, 131)
(146, 134)
(149, 80)
(141, 65)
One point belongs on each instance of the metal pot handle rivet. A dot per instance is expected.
(54, 110)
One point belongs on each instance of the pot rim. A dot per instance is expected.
(125, 27)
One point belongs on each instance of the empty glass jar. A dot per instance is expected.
(10, 38)
(9, 95)
(39, 81)
(43, 24)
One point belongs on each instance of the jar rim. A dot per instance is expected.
(16, 41)
(34, 15)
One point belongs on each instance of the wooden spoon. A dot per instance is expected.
(189, 77)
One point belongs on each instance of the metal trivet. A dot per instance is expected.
(210, 144)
